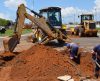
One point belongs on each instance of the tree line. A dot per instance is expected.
(4, 22)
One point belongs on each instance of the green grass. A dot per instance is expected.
(9, 32)
(26, 31)
(98, 28)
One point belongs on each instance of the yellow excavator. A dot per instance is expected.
(48, 21)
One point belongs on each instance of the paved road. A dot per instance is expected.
(1, 42)
(87, 42)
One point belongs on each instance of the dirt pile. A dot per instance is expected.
(42, 63)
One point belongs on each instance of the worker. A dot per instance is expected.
(73, 49)
(53, 18)
(96, 59)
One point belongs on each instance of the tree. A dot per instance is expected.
(4, 22)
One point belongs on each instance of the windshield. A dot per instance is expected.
(54, 18)
(44, 14)
(87, 17)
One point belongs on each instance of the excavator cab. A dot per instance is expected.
(53, 16)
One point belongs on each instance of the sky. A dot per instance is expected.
(70, 8)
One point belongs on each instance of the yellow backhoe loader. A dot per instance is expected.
(87, 26)
(50, 25)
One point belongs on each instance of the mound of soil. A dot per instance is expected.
(43, 63)
(40, 63)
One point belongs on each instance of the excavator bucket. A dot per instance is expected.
(12, 43)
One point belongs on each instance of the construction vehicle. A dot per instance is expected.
(87, 26)
(49, 21)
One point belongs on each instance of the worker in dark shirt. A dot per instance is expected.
(96, 58)
(74, 50)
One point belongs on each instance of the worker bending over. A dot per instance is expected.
(74, 52)
(96, 58)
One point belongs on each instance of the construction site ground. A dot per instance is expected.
(32, 62)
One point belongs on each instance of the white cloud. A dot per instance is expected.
(13, 3)
(97, 4)
(96, 8)
(70, 14)
(4, 16)
(72, 10)
(67, 11)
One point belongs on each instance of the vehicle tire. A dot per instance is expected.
(95, 35)
(76, 31)
(81, 32)
(72, 33)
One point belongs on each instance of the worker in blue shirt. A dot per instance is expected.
(96, 59)
(73, 48)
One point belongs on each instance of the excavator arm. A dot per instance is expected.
(40, 22)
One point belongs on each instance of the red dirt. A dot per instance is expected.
(86, 65)
(7, 54)
(42, 63)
